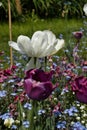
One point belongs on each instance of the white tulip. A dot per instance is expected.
(85, 9)
(42, 44)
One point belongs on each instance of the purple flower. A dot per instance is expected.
(79, 86)
(38, 85)
(39, 75)
(78, 34)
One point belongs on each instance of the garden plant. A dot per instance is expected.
(46, 86)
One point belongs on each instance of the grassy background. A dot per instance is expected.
(28, 27)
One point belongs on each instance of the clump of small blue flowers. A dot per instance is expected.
(71, 111)
(78, 126)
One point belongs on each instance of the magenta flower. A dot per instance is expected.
(79, 86)
(38, 85)
(8, 72)
(39, 75)
(2, 76)
(78, 34)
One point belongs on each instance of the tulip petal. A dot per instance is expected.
(59, 44)
(28, 86)
(25, 45)
(37, 93)
(37, 90)
(51, 36)
(15, 46)
(79, 86)
(39, 75)
(31, 65)
(81, 97)
(50, 50)
(39, 43)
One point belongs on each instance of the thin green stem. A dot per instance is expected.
(33, 115)
(35, 60)
(45, 63)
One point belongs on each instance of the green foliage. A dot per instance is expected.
(4, 9)
(44, 8)
(59, 8)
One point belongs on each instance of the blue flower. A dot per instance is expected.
(40, 112)
(68, 77)
(61, 125)
(14, 127)
(11, 81)
(28, 106)
(26, 124)
(71, 111)
(3, 93)
(78, 126)
(61, 36)
(57, 113)
(5, 116)
(65, 90)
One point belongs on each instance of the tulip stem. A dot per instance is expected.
(33, 115)
(35, 60)
(45, 63)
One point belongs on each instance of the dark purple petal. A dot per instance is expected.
(38, 85)
(81, 97)
(39, 75)
(78, 34)
(38, 91)
(28, 85)
(79, 86)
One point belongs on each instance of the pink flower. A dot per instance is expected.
(38, 85)
(2, 76)
(8, 72)
(79, 86)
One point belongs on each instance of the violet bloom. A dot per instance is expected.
(39, 75)
(38, 85)
(79, 86)
(78, 34)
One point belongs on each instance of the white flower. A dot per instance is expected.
(8, 122)
(42, 44)
(85, 9)
(0, 4)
